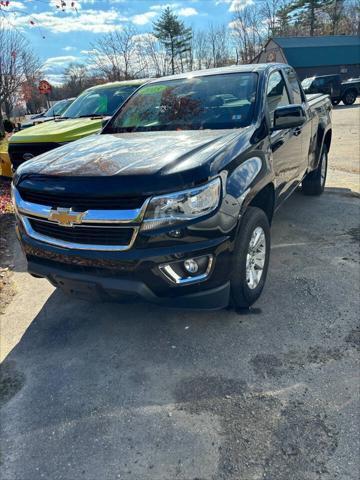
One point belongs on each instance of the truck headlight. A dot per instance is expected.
(174, 208)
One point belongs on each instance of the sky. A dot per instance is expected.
(62, 36)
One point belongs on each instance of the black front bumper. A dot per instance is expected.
(102, 288)
(133, 274)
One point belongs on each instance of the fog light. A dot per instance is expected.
(183, 272)
(191, 265)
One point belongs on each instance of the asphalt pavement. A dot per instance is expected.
(107, 391)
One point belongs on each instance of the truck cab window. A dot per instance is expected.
(295, 87)
(276, 94)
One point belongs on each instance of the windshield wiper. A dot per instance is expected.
(92, 115)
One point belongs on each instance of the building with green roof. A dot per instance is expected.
(325, 55)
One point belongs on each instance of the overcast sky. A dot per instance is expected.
(68, 33)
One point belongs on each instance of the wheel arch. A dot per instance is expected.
(265, 200)
(327, 139)
(324, 137)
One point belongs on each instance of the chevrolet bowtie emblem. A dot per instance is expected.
(66, 217)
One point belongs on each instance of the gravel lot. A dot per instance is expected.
(139, 392)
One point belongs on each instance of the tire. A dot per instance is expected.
(335, 101)
(314, 182)
(349, 97)
(244, 291)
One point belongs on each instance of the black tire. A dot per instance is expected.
(335, 101)
(314, 182)
(349, 97)
(242, 296)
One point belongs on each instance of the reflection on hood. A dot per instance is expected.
(132, 153)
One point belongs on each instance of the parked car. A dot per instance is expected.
(55, 111)
(346, 91)
(173, 201)
(85, 116)
(5, 165)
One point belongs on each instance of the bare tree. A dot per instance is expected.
(76, 78)
(218, 41)
(248, 32)
(114, 55)
(200, 50)
(350, 21)
(152, 58)
(17, 63)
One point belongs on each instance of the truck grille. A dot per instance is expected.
(18, 150)
(97, 235)
(81, 204)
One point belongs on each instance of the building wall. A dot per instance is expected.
(273, 53)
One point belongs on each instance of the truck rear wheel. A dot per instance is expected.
(349, 97)
(251, 258)
(314, 182)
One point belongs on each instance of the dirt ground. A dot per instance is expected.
(130, 392)
(345, 151)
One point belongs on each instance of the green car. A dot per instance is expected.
(85, 116)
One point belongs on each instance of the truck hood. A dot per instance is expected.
(127, 160)
(58, 131)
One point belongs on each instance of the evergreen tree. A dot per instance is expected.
(307, 12)
(173, 34)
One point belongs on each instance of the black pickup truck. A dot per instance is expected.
(173, 201)
(332, 85)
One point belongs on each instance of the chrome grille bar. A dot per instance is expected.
(117, 218)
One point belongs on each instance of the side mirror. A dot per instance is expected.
(289, 117)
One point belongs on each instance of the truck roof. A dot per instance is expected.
(252, 67)
(123, 83)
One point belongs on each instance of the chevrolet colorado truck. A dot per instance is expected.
(86, 115)
(173, 201)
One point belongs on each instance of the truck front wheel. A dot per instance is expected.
(251, 258)
(314, 182)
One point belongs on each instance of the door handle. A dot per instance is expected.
(297, 131)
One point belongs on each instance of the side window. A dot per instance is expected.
(295, 87)
(276, 94)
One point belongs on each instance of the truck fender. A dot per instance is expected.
(248, 180)
(323, 137)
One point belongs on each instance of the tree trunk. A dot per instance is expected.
(172, 57)
(2, 131)
(8, 109)
(312, 18)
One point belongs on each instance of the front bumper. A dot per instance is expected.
(102, 288)
(133, 274)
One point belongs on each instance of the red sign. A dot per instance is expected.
(44, 87)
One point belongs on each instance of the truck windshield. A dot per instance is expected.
(58, 108)
(99, 102)
(193, 103)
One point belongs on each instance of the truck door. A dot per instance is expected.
(304, 132)
(285, 144)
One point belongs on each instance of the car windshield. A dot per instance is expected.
(99, 102)
(193, 103)
(58, 109)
